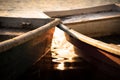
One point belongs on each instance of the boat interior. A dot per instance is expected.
(89, 14)
(11, 27)
(111, 39)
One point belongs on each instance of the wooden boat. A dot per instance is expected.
(102, 52)
(96, 32)
(85, 20)
(23, 41)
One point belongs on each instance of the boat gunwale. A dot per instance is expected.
(113, 49)
(7, 44)
(69, 12)
(76, 12)
(93, 20)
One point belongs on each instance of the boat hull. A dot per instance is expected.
(20, 52)
(15, 61)
(103, 56)
(97, 28)
(104, 62)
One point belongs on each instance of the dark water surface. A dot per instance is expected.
(50, 68)
(58, 68)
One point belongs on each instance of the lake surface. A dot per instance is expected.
(54, 67)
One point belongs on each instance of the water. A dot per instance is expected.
(58, 68)
(55, 67)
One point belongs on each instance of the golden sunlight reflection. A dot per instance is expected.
(62, 51)
(61, 66)
(60, 46)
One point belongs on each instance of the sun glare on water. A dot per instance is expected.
(61, 46)
(62, 50)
